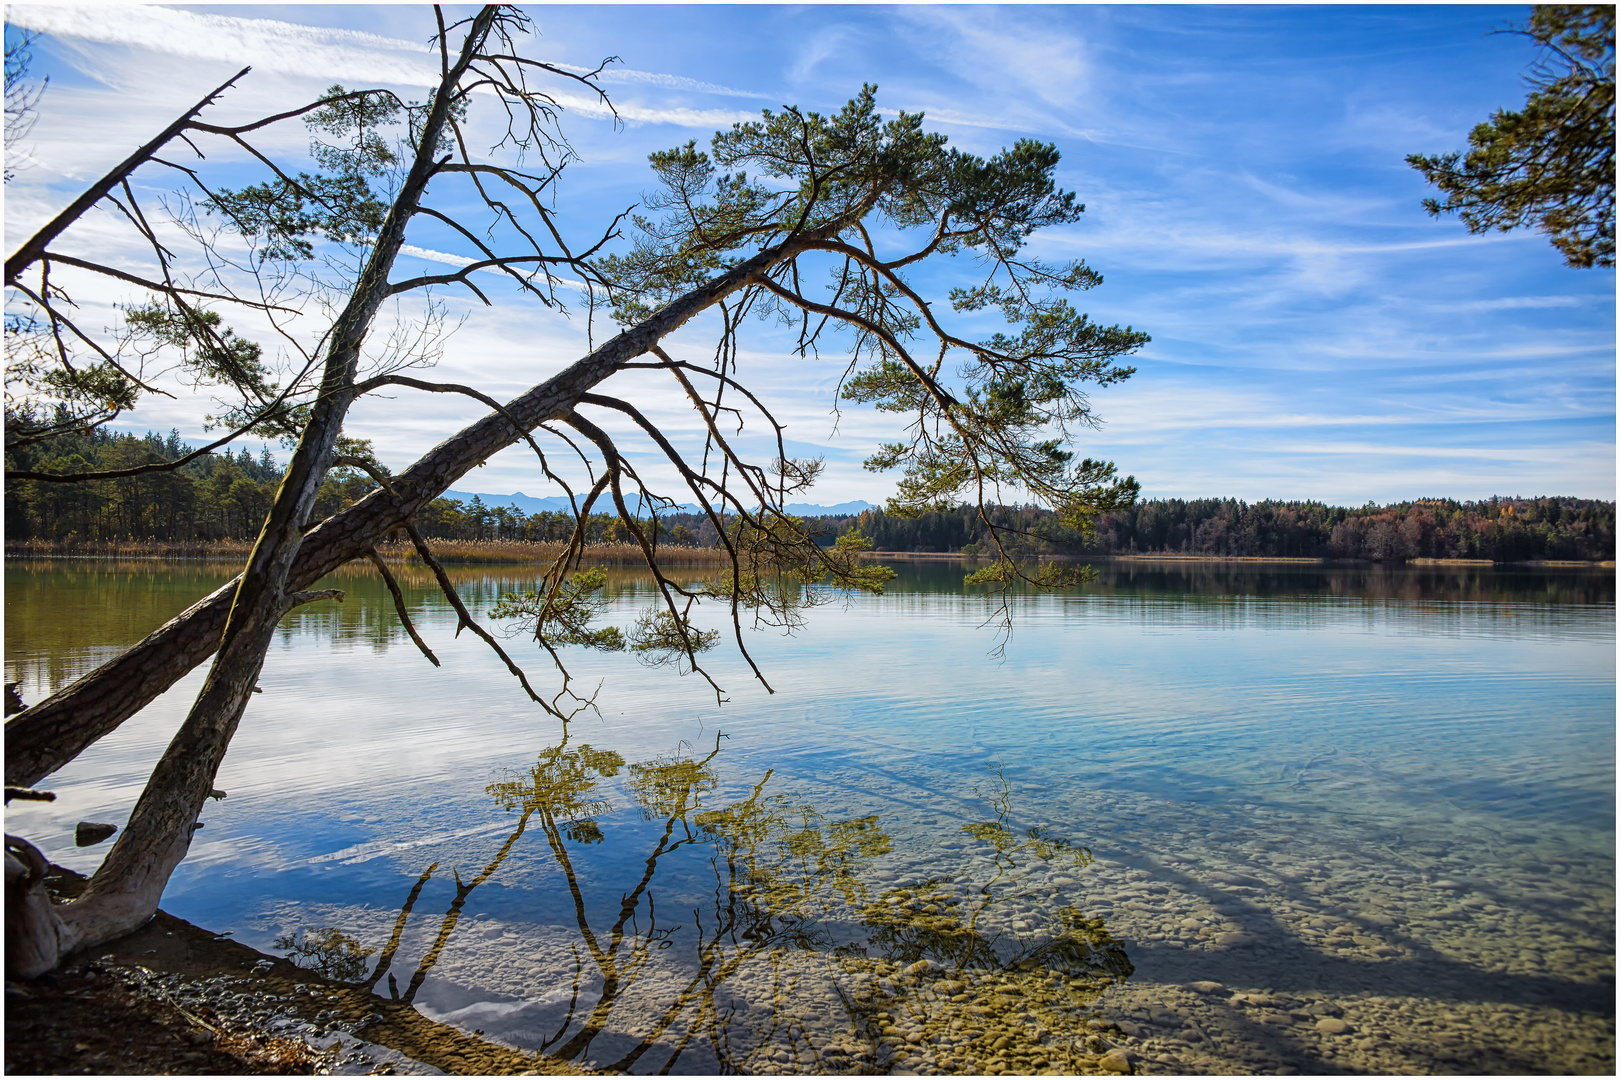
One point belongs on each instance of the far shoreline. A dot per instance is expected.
(518, 553)
(1275, 560)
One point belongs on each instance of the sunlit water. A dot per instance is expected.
(1229, 820)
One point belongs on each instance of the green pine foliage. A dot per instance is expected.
(216, 496)
(983, 412)
(1551, 163)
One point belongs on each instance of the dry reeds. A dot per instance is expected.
(128, 549)
(507, 552)
(525, 552)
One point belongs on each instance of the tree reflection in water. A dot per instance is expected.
(798, 957)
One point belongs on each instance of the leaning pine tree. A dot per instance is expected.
(798, 216)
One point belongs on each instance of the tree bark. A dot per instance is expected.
(125, 890)
(51, 733)
(33, 937)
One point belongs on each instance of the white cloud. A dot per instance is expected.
(673, 82)
(1253, 213)
(826, 43)
(1515, 303)
(435, 256)
(991, 47)
(319, 53)
(290, 48)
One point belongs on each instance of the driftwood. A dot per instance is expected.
(32, 933)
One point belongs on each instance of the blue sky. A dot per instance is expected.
(1315, 333)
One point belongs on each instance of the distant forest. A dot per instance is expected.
(1499, 529)
(225, 496)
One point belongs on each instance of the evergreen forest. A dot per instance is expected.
(225, 496)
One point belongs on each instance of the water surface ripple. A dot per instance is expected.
(1195, 819)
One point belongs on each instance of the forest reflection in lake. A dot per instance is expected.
(1335, 818)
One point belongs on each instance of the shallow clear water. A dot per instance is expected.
(1375, 806)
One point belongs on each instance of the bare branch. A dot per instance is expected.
(98, 268)
(58, 317)
(466, 621)
(399, 605)
(605, 443)
(242, 129)
(299, 598)
(35, 245)
(502, 263)
(164, 466)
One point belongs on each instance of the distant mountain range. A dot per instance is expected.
(531, 505)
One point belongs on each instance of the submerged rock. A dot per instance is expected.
(90, 833)
(1118, 1061)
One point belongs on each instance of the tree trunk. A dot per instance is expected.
(48, 735)
(33, 936)
(124, 891)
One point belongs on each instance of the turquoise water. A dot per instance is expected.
(1375, 800)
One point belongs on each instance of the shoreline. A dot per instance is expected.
(448, 552)
(456, 553)
(1276, 560)
(163, 1000)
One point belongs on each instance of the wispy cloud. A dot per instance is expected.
(990, 47)
(1315, 333)
(1518, 303)
(315, 52)
(329, 55)
(824, 44)
(676, 82)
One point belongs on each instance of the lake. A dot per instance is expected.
(1230, 817)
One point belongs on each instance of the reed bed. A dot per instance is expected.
(524, 552)
(449, 552)
(128, 549)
